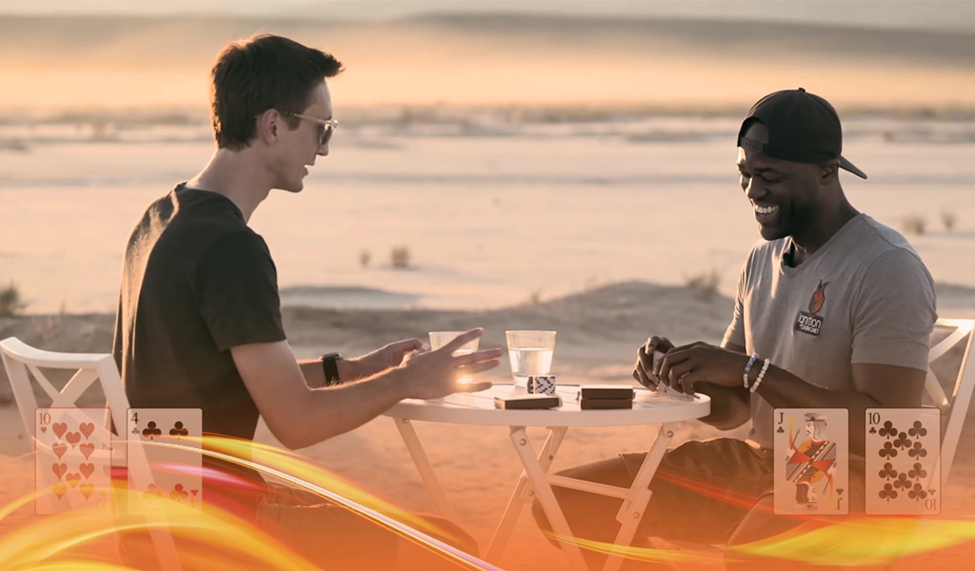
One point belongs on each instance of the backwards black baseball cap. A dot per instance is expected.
(802, 128)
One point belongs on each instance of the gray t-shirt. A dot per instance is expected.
(864, 297)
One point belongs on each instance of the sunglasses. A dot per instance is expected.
(328, 126)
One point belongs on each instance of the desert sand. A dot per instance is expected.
(599, 331)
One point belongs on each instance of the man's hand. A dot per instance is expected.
(434, 374)
(391, 355)
(643, 369)
(683, 366)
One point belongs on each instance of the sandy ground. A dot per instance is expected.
(598, 333)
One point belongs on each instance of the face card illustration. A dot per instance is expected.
(903, 461)
(164, 458)
(811, 461)
(73, 460)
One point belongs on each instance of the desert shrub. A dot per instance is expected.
(914, 224)
(400, 257)
(10, 302)
(705, 285)
(364, 258)
(948, 220)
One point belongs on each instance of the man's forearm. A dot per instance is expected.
(729, 405)
(782, 389)
(338, 409)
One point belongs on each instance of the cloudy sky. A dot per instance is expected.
(938, 14)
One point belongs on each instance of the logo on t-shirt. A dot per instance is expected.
(810, 322)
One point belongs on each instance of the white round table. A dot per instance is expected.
(649, 408)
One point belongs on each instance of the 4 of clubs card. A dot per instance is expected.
(165, 457)
(811, 461)
(73, 460)
(903, 461)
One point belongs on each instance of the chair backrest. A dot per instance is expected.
(951, 396)
(23, 361)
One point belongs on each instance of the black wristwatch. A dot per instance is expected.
(331, 368)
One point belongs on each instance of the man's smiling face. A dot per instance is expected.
(782, 193)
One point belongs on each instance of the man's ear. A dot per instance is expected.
(828, 172)
(267, 126)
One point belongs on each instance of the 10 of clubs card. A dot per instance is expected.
(73, 460)
(903, 461)
(811, 461)
(168, 472)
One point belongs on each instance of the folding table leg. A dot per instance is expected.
(523, 494)
(425, 468)
(546, 496)
(636, 501)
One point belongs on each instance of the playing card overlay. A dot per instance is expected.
(811, 461)
(903, 461)
(73, 461)
(165, 459)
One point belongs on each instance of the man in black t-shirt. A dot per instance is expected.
(199, 318)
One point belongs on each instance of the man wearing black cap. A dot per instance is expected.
(834, 310)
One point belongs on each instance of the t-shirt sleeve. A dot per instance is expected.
(735, 334)
(894, 312)
(237, 292)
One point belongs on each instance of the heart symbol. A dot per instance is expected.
(87, 470)
(73, 478)
(59, 489)
(59, 469)
(87, 449)
(43, 429)
(87, 490)
(87, 428)
(59, 450)
(59, 428)
(72, 438)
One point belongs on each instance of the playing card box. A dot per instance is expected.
(604, 404)
(903, 461)
(611, 392)
(528, 402)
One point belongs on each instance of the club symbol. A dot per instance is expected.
(194, 492)
(135, 431)
(888, 451)
(917, 493)
(888, 493)
(178, 431)
(918, 429)
(917, 451)
(178, 493)
(888, 430)
(902, 441)
(888, 472)
(931, 491)
(151, 431)
(151, 493)
(780, 430)
(918, 471)
(902, 483)
(839, 491)
(873, 430)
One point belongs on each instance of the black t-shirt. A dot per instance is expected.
(196, 281)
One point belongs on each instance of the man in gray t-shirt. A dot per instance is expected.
(834, 310)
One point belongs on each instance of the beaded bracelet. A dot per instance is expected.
(748, 367)
(761, 375)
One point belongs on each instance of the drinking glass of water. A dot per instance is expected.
(440, 338)
(530, 353)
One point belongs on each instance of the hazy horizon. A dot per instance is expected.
(499, 59)
(927, 14)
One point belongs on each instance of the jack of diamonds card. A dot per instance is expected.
(165, 457)
(72, 461)
(811, 461)
(903, 461)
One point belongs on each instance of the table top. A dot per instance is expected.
(478, 408)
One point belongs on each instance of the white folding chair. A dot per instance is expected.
(954, 402)
(23, 361)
